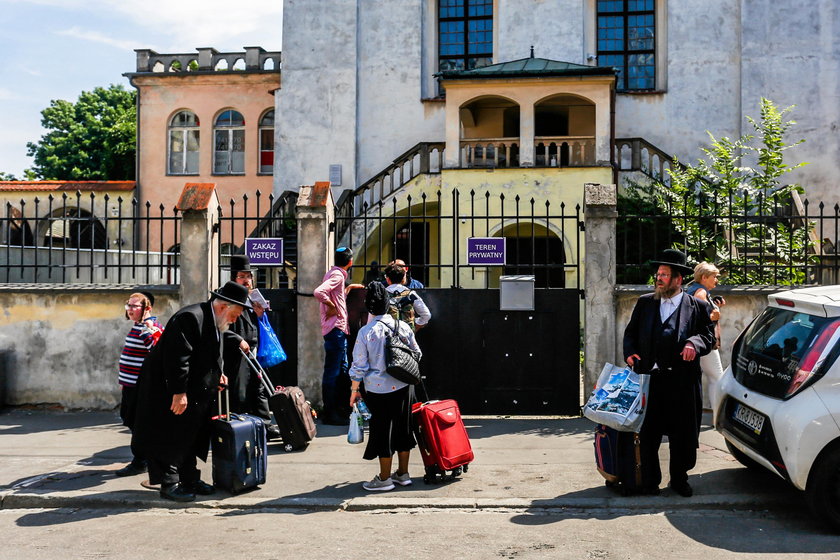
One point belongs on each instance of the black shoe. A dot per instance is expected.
(273, 432)
(199, 487)
(176, 493)
(649, 490)
(131, 469)
(682, 488)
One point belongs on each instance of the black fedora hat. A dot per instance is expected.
(233, 293)
(240, 263)
(675, 259)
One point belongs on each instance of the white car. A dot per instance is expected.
(778, 404)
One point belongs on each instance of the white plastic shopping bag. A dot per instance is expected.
(619, 399)
(356, 432)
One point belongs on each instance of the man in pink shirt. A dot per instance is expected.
(335, 382)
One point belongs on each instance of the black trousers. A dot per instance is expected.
(672, 412)
(128, 408)
(165, 474)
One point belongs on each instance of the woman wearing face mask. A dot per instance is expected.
(143, 335)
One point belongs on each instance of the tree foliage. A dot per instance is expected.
(733, 208)
(91, 139)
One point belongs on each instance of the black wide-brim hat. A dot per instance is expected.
(234, 293)
(675, 259)
(240, 263)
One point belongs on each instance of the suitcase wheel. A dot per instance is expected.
(288, 447)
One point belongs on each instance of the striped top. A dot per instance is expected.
(138, 343)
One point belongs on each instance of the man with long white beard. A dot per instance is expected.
(667, 333)
(181, 378)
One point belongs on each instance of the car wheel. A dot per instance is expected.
(823, 489)
(742, 457)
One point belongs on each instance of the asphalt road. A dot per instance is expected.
(417, 533)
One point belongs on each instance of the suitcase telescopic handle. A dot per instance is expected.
(258, 369)
(226, 415)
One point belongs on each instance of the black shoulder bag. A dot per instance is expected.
(401, 362)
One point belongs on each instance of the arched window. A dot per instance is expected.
(183, 144)
(267, 142)
(229, 143)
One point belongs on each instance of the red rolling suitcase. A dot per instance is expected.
(442, 439)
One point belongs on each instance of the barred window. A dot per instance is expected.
(627, 41)
(267, 142)
(183, 144)
(229, 143)
(465, 34)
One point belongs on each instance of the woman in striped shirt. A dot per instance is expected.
(139, 341)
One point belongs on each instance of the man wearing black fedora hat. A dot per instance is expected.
(247, 393)
(668, 332)
(179, 381)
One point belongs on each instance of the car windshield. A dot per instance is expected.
(768, 355)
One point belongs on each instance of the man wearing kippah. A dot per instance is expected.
(332, 294)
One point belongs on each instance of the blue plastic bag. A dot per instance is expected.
(269, 352)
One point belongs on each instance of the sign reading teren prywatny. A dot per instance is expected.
(486, 251)
(266, 251)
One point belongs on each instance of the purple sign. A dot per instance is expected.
(265, 251)
(486, 251)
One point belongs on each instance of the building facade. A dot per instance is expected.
(206, 117)
(684, 67)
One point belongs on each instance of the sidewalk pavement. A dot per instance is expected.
(67, 459)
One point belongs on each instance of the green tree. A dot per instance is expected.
(7, 176)
(735, 213)
(91, 139)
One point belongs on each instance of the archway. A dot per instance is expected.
(534, 249)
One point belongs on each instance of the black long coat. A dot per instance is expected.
(675, 400)
(187, 359)
(695, 326)
(237, 369)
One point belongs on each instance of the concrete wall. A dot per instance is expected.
(63, 342)
(717, 59)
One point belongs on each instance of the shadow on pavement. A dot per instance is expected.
(765, 528)
(479, 427)
(15, 421)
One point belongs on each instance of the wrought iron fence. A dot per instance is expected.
(775, 240)
(430, 233)
(263, 217)
(76, 238)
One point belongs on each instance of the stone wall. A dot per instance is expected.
(62, 342)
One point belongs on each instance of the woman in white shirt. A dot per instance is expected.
(388, 399)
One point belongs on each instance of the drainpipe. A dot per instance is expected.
(137, 189)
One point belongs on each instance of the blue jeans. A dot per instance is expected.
(335, 380)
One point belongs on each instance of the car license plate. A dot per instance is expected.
(749, 417)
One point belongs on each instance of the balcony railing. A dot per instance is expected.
(564, 151)
(549, 151)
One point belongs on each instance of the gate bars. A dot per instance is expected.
(540, 240)
(88, 239)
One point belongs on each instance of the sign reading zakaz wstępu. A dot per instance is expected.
(266, 251)
(486, 251)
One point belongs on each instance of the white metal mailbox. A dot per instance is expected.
(516, 292)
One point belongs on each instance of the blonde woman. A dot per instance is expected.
(706, 277)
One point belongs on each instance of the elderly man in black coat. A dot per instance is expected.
(178, 383)
(667, 333)
(247, 393)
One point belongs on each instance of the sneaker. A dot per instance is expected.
(401, 479)
(378, 485)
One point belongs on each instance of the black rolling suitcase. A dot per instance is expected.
(618, 459)
(240, 455)
(290, 408)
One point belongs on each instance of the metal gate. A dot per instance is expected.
(491, 361)
(235, 224)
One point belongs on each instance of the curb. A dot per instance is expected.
(12, 500)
